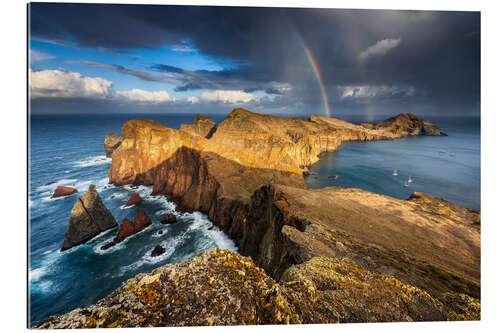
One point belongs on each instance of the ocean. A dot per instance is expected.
(68, 150)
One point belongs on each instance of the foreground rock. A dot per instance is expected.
(89, 217)
(62, 191)
(111, 142)
(134, 200)
(127, 228)
(219, 287)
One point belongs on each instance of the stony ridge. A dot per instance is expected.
(219, 287)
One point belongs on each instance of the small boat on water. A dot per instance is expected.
(395, 172)
(452, 154)
(410, 180)
(442, 152)
(405, 185)
(333, 177)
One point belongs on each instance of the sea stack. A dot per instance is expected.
(89, 217)
(111, 142)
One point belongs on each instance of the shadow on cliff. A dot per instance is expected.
(237, 198)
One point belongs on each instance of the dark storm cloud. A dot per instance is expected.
(437, 53)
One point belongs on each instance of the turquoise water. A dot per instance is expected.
(427, 160)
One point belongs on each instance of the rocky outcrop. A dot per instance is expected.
(202, 126)
(157, 251)
(111, 142)
(127, 228)
(133, 200)
(89, 217)
(223, 288)
(62, 191)
(168, 218)
(248, 178)
(407, 124)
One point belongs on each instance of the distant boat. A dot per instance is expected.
(333, 177)
(442, 152)
(395, 172)
(452, 154)
(405, 185)
(409, 179)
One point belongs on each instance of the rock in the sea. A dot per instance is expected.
(168, 218)
(134, 200)
(62, 191)
(89, 217)
(160, 232)
(158, 250)
(127, 228)
(219, 287)
(111, 142)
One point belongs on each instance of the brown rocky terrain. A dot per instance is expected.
(247, 176)
(62, 191)
(111, 142)
(219, 287)
(89, 217)
(127, 228)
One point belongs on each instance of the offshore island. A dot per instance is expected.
(305, 256)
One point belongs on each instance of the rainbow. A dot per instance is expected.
(317, 73)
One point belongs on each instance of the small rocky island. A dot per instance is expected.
(306, 256)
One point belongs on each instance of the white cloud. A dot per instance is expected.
(38, 56)
(224, 96)
(139, 95)
(366, 91)
(380, 48)
(61, 83)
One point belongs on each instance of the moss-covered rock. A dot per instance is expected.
(219, 287)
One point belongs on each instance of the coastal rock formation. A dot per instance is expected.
(168, 219)
(127, 228)
(247, 177)
(89, 217)
(219, 287)
(134, 200)
(158, 250)
(111, 142)
(202, 126)
(407, 124)
(62, 191)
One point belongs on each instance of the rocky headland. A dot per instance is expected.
(247, 176)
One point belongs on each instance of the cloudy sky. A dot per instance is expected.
(123, 58)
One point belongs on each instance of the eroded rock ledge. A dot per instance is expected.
(219, 287)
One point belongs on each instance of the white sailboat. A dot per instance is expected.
(395, 172)
(409, 179)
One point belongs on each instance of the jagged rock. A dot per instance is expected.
(62, 191)
(202, 126)
(89, 217)
(158, 250)
(111, 142)
(168, 218)
(160, 232)
(127, 228)
(134, 200)
(219, 287)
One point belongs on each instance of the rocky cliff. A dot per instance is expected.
(334, 251)
(219, 287)
(247, 178)
(111, 142)
(89, 217)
